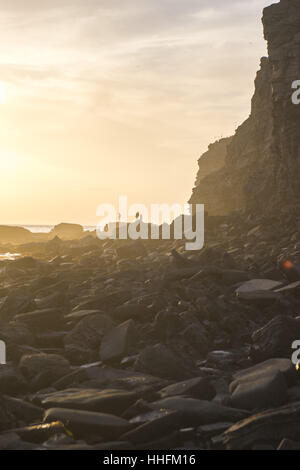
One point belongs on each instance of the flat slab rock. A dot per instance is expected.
(88, 423)
(105, 401)
(263, 385)
(271, 426)
(196, 412)
(256, 285)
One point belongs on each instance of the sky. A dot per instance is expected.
(101, 98)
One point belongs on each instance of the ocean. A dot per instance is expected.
(36, 229)
(48, 228)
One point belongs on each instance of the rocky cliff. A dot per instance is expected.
(258, 169)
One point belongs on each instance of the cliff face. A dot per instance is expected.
(258, 169)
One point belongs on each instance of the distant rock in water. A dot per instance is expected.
(15, 235)
(261, 162)
(67, 231)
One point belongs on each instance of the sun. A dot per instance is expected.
(3, 93)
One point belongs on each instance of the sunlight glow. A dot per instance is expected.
(3, 93)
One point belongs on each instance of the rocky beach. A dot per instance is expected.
(142, 345)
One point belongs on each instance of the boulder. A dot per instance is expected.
(275, 338)
(88, 423)
(118, 341)
(197, 412)
(269, 426)
(199, 387)
(104, 401)
(12, 381)
(43, 369)
(82, 342)
(160, 361)
(67, 231)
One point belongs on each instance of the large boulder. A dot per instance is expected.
(67, 231)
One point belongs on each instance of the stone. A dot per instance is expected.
(87, 423)
(160, 361)
(268, 426)
(197, 412)
(259, 391)
(43, 369)
(199, 387)
(83, 341)
(154, 429)
(257, 285)
(40, 320)
(12, 382)
(118, 341)
(104, 401)
(275, 338)
(17, 301)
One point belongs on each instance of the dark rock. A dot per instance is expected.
(43, 369)
(12, 381)
(275, 338)
(17, 301)
(199, 412)
(160, 361)
(42, 319)
(82, 342)
(87, 423)
(118, 341)
(268, 426)
(40, 432)
(104, 401)
(200, 388)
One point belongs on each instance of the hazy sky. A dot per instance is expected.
(106, 97)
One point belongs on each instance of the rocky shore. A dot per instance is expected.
(120, 345)
(141, 345)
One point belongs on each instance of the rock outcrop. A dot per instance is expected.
(261, 162)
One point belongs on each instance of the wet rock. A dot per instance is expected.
(268, 426)
(118, 341)
(262, 386)
(104, 401)
(43, 369)
(155, 429)
(87, 423)
(200, 388)
(199, 412)
(40, 432)
(275, 338)
(257, 285)
(288, 444)
(207, 431)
